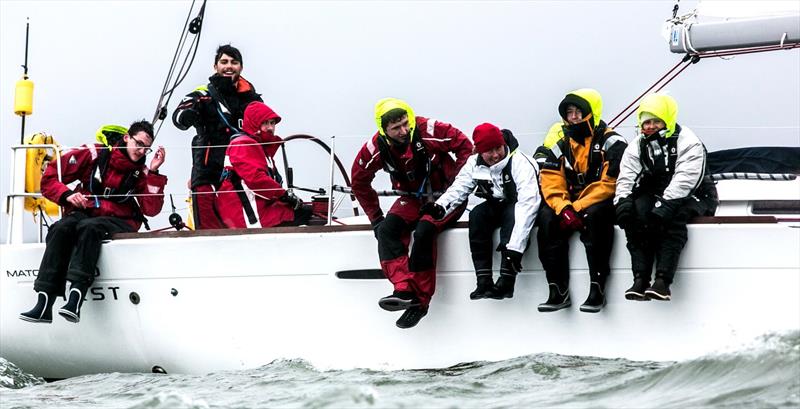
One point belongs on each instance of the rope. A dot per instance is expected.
(688, 60)
(195, 28)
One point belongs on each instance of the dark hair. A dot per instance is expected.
(231, 51)
(140, 126)
(392, 116)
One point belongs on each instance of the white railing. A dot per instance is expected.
(15, 202)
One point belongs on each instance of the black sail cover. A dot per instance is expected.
(771, 159)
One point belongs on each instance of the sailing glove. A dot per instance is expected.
(570, 220)
(624, 212)
(292, 200)
(432, 209)
(664, 210)
(514, 259)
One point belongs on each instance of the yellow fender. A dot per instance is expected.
(36, 161)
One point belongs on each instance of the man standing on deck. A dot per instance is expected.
(416, 152)
(215, 111)
(578, 176)
(663, 182)
(115, 189)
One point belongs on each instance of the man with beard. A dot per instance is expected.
(215, 111)
(416, 152)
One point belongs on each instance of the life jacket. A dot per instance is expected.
(422, 165)
(658, 155)
(228, 173)
(112, 137)
(578, 181)
(483, 188)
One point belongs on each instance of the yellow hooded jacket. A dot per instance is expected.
(558, 188)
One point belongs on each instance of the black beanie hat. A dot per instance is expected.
(572, 99)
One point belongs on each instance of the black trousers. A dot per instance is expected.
(652, 241)
(73, 247)
(483, 220)
(597, 237)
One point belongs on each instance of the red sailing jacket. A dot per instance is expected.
(253, 163)
(439, 138)
(78, 164)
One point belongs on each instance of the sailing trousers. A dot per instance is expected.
(204, 211)
(483, 220)
(415, 273)
(597, 236)
(72, 251)
(652, 240)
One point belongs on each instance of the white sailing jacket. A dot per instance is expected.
(689, 168)
(525, 174)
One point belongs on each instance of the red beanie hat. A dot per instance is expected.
(486, 137)
(255, 114)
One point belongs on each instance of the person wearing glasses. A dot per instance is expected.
(115, 190)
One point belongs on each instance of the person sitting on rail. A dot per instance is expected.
(251, 194)
(663, 182)
(416, 153)
(508, 180)
(578, 175)
(115, 190)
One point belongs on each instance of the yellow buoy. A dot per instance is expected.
(23, 97)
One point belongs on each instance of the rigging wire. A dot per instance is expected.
(190, 27)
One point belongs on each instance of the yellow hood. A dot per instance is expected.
(555, 134)
(387, 104)
(582, 98)
(663, 107)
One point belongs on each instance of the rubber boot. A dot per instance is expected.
(596, 299)
(484, 288)
(71, 311)
(636, 292)
(43, 311)
(557, 300)
(504, 288)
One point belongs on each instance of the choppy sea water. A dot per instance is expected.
(765, 374)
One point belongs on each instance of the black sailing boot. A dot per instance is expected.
(659, 290)
(636, 292)
(557, 300)
(411, 317)
(504, 288)
(596, 299)
(71, 311)
(483, 289)
(43, 311)
(399, 300)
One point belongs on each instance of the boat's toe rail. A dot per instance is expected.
(367, 227)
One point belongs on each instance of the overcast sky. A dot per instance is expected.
(322, 65)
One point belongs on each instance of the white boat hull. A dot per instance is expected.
(243, 301)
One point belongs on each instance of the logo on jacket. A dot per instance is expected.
(72, 161)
